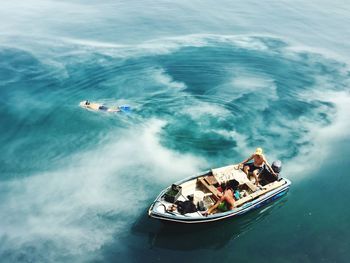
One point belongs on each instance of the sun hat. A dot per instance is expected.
(259, 151)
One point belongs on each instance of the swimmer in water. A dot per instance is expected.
(97, 107)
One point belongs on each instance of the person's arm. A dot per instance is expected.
(247, 160)
(211, 209)
(270, 168)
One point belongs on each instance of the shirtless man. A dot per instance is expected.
(96, 106)
(256, 167)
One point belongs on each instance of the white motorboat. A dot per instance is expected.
(203, 191)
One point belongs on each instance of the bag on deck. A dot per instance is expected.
(185, 207)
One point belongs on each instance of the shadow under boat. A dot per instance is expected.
(176, 236)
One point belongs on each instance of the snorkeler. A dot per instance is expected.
(99, 107)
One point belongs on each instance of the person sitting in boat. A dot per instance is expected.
(226, 201)
(256, 167)
(97, 106)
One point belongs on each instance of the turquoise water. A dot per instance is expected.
(207, 84)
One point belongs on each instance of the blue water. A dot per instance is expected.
(207, 84)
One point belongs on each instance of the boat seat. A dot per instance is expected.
(243, 200)
(251, 186)
(256, 194)
(212, 189)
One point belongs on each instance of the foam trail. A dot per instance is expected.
(323, 138)
(302, 22)
(75, 209)
(164, 79)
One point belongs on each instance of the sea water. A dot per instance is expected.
(207, 83)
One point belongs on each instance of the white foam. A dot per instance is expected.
(246, 83)
(157, 46)
(68, 207)
(298, 48)
(92, 43)
(240, 139)
(322, 138)
(199, 109)
(161, 77)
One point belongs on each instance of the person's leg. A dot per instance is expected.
(246, 169)
(256, 176)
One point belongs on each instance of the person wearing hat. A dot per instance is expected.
(255, 168)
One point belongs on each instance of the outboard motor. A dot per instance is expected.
(277, 166)
(266, 175)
